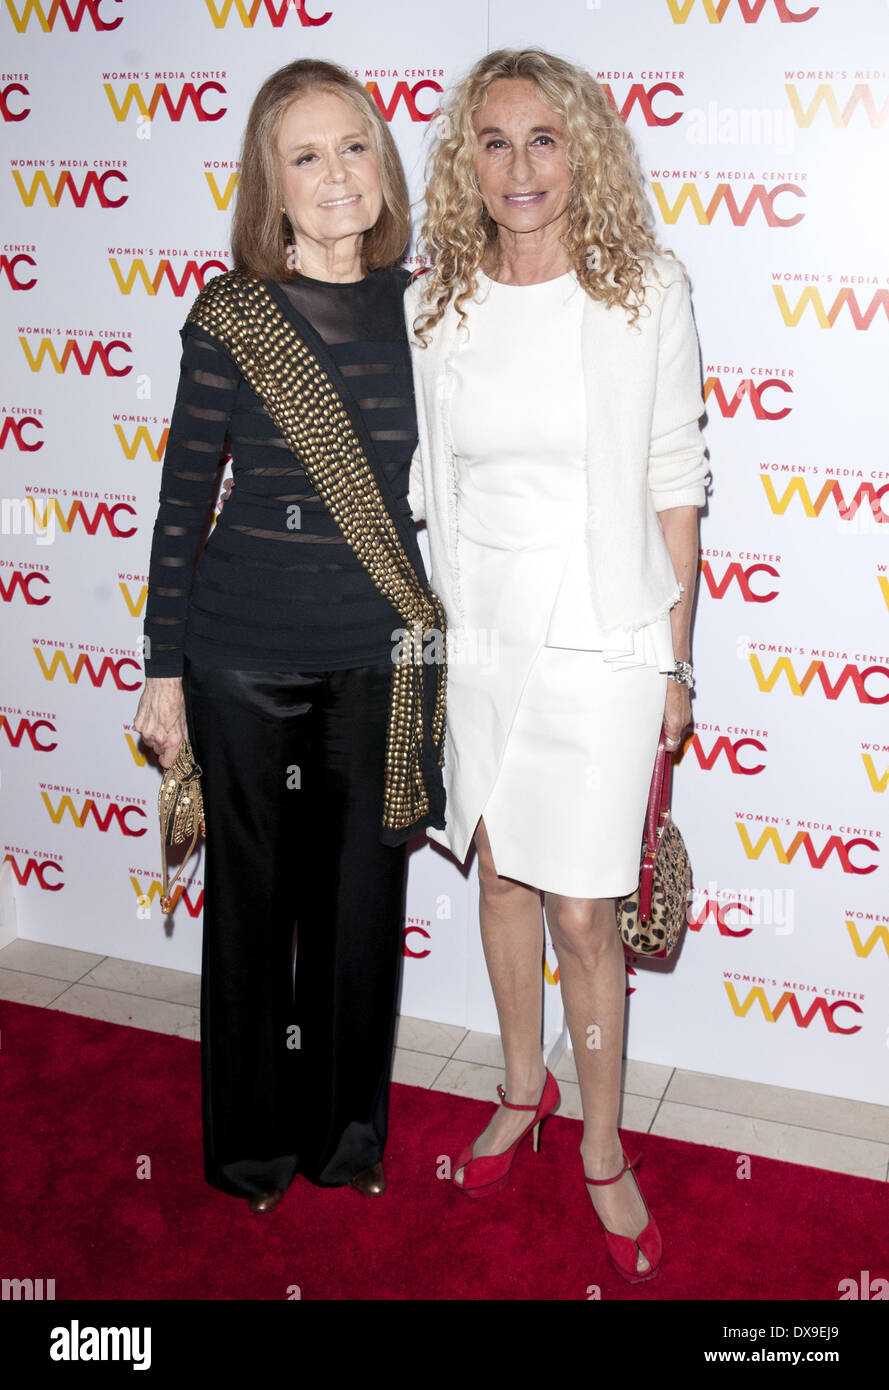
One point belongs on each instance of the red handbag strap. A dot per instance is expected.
(659, 791)
(658, 801)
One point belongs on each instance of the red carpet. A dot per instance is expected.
(83, 1102)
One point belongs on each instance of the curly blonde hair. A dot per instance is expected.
(609, 233)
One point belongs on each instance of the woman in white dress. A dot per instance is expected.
(559, 472)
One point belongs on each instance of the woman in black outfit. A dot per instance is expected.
(273, 651)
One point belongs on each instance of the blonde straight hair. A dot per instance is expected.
(261, 233)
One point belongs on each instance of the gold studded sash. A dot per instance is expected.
(301, 399)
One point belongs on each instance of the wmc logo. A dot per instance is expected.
(746, 390)
(816, 1008)
(736, 573)
(402, 94)
(164, 275)
(99, 352)
(803, 840)
(32, 729)
(83, 666)
(276, 10)
(20, 582)
(114, 814)
(13, 426)
(750, 10)
(154, 445)
(222, 197)
(729, 749)
(879, 934)
(78, 514)
(415, 950)
(723, 196)
(68, 188)
(17, 271)
(719, 912)
(825, 96)
(645, 97)
(24, 869)
(175, 105)
(879, 780)
(862, 316)
(73, 12)
(135, 602)
(857, 676)
(797, 487)
(180, 894)
(11, 113)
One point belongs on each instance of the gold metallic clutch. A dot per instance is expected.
(180, 806)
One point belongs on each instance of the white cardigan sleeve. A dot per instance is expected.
(677, 468)
(416, 494)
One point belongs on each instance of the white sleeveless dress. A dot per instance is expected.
(552, 731)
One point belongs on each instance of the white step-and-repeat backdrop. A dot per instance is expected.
(762, 126)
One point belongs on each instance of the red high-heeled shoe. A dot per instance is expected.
(624, 1250)
(490, 1172)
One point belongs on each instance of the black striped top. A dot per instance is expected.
(276, 586)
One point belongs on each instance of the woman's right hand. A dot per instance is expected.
(160, 718)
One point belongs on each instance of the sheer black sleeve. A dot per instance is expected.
(208, 385)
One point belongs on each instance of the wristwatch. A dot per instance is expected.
(683, 674)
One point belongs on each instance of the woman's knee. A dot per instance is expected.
(494, 888)
(582, 926)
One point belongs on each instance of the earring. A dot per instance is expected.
(291, 259)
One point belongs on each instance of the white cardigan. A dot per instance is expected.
(645, 451)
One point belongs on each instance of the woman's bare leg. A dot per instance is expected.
(512, 938)
(592, 975)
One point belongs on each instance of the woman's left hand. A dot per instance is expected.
(677, 713)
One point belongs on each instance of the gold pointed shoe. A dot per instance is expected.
(371, 1182)
(264, 1201)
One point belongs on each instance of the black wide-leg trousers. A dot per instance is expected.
(296, 1063)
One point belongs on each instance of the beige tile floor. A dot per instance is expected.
(746, 1117)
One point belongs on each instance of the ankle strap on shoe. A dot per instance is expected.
(602, 1182)
(509, 1105)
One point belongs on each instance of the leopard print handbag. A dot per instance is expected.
(650, 919)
